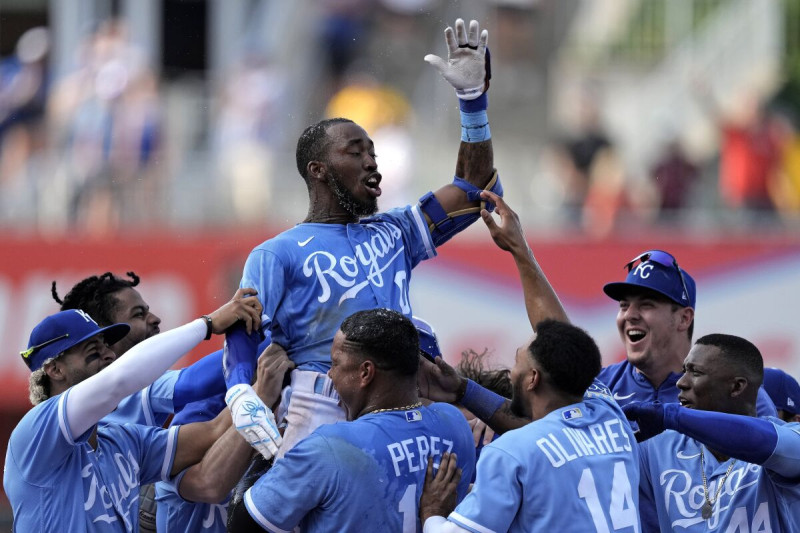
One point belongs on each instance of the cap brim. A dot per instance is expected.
(111, 334)
(619, 289)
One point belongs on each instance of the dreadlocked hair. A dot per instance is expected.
(95, 295)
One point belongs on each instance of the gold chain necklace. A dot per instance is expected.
(708, 506)
(404, 408)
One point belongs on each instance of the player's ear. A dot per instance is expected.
(532, 380)
(316, 170)
(54, 370)
(366, 372)
(738, 385)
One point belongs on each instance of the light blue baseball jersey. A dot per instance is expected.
(176, 515)
(576, 469)
(752, 498)
(151, 406)
(57, 482)
(365, 475)
(629, 385)
(313, 276)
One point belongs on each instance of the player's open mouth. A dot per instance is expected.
(684, 402)
(635, 335)
(372, 183)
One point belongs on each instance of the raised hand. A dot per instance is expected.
(508, 234)
(439, 381)
(648, 415)
(272, 367)
(243, 306)
(467, 65)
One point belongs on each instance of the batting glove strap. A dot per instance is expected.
(253, 420)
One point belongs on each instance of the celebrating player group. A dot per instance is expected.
(330, 408)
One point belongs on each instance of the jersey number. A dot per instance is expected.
(408, 508)
(622, 510)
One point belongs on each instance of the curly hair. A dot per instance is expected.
(95, 295)
(39, 384)
(471, 367)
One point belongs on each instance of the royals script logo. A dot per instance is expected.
(684, 497)
(117, 497)
(374, 255)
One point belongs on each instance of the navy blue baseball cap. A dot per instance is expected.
(428, 342)
(783, 389)
(658, 271)
(61, 331)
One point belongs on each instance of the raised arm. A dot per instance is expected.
(467, 68)
(541, 301)
(98, 395)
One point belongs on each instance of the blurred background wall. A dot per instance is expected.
(158, 136)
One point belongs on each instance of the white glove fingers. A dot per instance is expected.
(436, 61)
(461, 33)
(450, 39)
(473, 34)
(483, 41)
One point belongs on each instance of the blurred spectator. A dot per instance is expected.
(108, 120)
(785, 188)
(673, 175)
(344, 29)
(248, 132)
(23, 94)
(749, 150)
(784, 391)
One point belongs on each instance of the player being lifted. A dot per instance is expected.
(335, 263)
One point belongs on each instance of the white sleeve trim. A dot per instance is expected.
(422, 227)
(439, 524)
(95, 397)
(149, 417)
(258, 517)
(169, 454)
(474, 526)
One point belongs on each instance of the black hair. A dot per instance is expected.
(567, 354)
(742, 353)
(386, 337)
(497, 380)
(313, 144)
(95, 295)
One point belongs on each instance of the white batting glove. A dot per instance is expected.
(465, 68)
(253, 420)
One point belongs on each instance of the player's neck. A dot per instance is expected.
(325, 209)
(543, 405)
(391, 400)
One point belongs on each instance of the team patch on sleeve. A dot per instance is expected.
(598, 390)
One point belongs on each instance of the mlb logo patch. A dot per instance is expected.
(569, 414)
(789, 402)
(413, 416)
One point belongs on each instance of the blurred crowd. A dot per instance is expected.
(92, 151)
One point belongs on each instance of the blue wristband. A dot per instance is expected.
(480, 103)
(482, 402)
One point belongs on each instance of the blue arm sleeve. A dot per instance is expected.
(240, 355)
(200, 380)
(743, 437)
(204, 378)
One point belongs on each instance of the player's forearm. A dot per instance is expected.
(201, 380)
(95, 397)
(475, 162)
(541, 301)
(195, 439)
(490, 407)
(211, 480)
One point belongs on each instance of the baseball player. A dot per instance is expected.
(718, 467)
(655, 322)
(59, 458)
(335, 262)
(574, 468)
(365, 474)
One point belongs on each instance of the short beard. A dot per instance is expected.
(348, 202)
(518, 407)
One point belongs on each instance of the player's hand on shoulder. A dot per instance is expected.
(273, 363)
(243, 306)
(467, 65)
(648, 415)
(439, 495)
